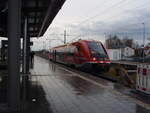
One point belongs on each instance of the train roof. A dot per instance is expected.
(73, 43)
(88, 41)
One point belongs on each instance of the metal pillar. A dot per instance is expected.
(24, 66)
(26, 48)
(28, 54)
(24, 60)
(14, 26)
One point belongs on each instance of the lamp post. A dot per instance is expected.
(49, 43)
(105, 39)
(143, 39)
(65, 37)
(44, 45)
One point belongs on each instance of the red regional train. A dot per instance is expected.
(83, 53)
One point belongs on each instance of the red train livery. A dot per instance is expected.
(82, 53)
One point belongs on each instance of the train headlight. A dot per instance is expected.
(94, 58)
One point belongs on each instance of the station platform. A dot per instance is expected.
(66, 91)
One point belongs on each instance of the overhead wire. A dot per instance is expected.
(133, 17)
(121, 9)
(98, 6)
(88, 19)
(104, 11)
(113, 5)
(138, 7)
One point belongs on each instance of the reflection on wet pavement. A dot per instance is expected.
(68, 93)
(43, 67)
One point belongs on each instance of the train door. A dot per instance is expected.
(77, 54)
(54, 55)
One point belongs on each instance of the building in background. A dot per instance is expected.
(147, 49)
(120, 48)
(114, 54)
(127, 52)
(113, 42)
(121, 53)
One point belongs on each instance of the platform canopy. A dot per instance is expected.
(40, 14)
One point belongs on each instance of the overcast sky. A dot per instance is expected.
(91, 19)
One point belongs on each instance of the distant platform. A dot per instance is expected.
(70, 92)
(129, 63)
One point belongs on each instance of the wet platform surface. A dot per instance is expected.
(70, 92)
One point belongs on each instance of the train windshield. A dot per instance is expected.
(96, 49)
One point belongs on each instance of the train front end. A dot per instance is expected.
(99, 58)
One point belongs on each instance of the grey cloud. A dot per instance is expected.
(131, 25)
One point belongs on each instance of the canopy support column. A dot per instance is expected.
(14, 34)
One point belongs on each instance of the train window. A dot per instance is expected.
(96, 49)
(70, 50)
